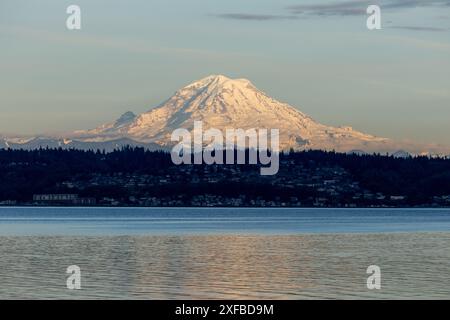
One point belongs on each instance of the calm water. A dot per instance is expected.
(224, 253)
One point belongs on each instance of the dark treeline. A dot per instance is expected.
(416, 177)
(27, 172)
(24, 173)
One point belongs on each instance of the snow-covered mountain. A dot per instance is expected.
(222, 103)
(116, 128)
(3, 143)
(64, 143)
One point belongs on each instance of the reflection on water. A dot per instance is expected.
(32, 221)
(413, 265)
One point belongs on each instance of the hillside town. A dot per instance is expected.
(307, 179)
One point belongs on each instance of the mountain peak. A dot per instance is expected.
(126, 117)
(222, 103)
(217, 77)
(217, 81)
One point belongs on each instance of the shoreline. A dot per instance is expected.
(222, 207)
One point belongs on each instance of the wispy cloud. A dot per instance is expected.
(343, 8)
(131, 45)
(357, 7)
(254, 17)
(418, 28)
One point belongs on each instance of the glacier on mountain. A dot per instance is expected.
(223, 103)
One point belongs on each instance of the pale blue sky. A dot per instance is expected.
(132, 55)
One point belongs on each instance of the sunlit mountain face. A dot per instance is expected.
(223, 103)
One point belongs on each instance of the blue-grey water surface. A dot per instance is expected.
(192, 253)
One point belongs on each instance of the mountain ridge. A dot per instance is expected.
(222, 103)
